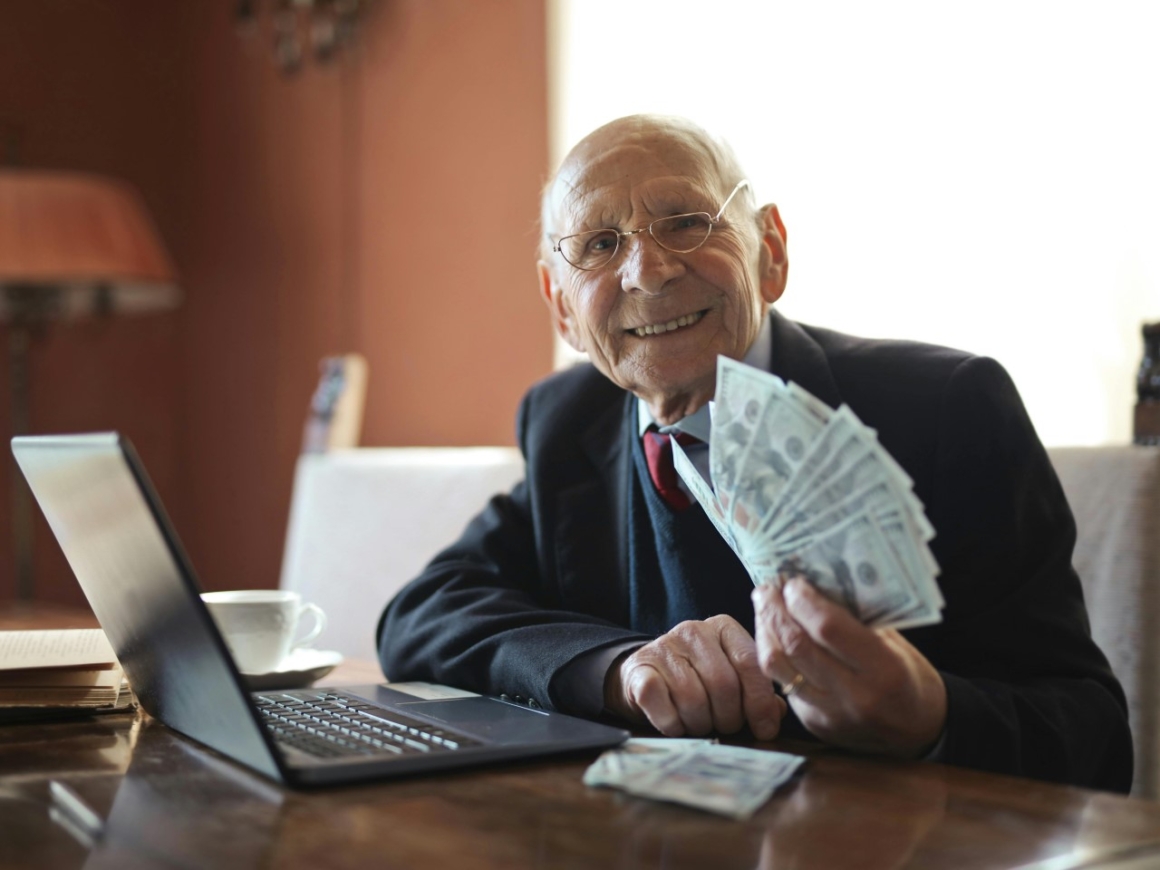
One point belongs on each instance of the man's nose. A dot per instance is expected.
(645, 266)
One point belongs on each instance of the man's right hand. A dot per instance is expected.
(701, 676)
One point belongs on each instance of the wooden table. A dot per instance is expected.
(170, 803)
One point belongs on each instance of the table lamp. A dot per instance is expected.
(71, 245)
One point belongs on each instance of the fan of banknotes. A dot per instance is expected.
(800, 489)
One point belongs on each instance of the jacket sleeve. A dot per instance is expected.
(482, 615)
(1028, 691)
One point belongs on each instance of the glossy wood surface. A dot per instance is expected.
(170, 803)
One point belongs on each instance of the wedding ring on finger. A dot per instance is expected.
(792, 686)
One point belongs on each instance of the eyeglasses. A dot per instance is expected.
(680, 233)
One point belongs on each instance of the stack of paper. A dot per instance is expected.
(800, 489)
(67, 669)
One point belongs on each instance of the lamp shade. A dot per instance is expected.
(84, 242)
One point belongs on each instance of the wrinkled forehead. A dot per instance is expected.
(603, 174)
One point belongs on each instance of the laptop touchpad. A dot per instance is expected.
(487, 717)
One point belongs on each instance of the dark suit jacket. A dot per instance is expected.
(541, 576)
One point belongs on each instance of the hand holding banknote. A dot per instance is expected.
(799, 490)
(859, 687)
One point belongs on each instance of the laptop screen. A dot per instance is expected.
(120, 545)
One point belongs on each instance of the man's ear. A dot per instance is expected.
(553, 296)
(774, 264)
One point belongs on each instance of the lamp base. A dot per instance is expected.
(19, 338)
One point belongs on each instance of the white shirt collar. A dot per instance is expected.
(698, 423)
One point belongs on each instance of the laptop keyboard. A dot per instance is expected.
(334, 724)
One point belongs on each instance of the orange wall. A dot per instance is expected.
(383, 204)
(100, 88)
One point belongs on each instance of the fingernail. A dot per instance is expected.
(793, 591)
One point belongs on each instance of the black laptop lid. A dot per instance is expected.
(120, 545)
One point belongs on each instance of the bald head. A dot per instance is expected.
(659, 139)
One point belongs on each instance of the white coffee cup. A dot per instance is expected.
(259, 625)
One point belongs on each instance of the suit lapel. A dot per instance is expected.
(798, 358)
(592, 539)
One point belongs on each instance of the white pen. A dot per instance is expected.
(75, 813)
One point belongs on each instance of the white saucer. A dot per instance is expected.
(301, 668)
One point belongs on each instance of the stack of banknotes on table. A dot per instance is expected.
(800, 489)
(729, 780)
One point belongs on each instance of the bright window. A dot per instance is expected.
(984, 175)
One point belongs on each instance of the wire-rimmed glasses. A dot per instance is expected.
(679, 233)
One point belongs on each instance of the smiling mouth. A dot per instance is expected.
(660, 328)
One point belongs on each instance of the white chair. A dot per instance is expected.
(365, 521)
(1114, 493)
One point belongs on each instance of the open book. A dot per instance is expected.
(59, 671)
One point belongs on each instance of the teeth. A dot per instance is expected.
(683, 320)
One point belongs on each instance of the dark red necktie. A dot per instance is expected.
(658, 451)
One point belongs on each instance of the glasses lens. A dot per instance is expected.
(589, 250)
(683, 232)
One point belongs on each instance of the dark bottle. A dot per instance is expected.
(1147, 422)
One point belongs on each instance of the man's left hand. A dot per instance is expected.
(853, 686)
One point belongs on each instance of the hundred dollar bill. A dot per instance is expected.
(927, 609)
(854, 566)
(854, 475)
(839, 434)
(779, 445)
(729, 780)
(880, 498)
(926, 600)
(823, 511)
(636, 757)
(733, 781)
(741, 396)
(920, 605)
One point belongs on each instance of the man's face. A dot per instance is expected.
(651, 320)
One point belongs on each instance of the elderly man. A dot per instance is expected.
(595, 588)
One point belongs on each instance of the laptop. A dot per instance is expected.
(124, 552)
